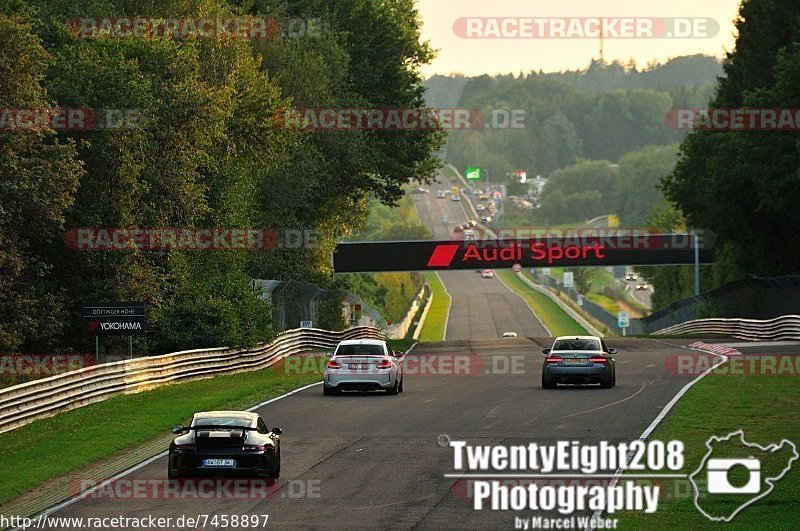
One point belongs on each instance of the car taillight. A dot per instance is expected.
(597, 359)
(333, 365)
(385, 364)
(185, 447)
(255, 447)
(554, 359)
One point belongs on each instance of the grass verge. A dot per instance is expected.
(69, 441)
(433, 328)
(765, 407)
(605, 302)
(552, 315)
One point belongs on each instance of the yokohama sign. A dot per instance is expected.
(114, 318)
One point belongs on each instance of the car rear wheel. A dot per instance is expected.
(400, 389)
(329, 391)
(393, 390)
(171, 472)
(606, 381)
(547, 381)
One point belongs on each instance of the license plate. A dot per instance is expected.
(357, 366)
(575, 360)
(219, 462)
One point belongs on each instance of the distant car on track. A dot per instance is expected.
(472, 223)
(363, 365)
(455, 197)
(641, 287)
(441, 194)
(459, 228)
(419, 191)
(579, 359)
(480, 208)
(487, 273)
(631, 276)
(225, 442)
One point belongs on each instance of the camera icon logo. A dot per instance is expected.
(745, 480)
(718, 471)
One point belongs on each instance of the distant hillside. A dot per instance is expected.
(687, 71)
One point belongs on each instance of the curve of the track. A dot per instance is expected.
(375, 460)
(372, 460)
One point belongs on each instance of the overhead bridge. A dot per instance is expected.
(569, 251)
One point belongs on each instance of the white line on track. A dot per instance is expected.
(147, 461)
(549, 333)
(449, 305)
(663, 413)
(608, 405)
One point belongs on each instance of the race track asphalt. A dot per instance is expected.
(372, 460)
(481, 308)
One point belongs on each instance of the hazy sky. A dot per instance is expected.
(477, 56)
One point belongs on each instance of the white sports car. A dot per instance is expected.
(363, 365)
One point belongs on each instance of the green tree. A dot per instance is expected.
(743, 185)
(595, 175)
(38, 178)
(638, 184)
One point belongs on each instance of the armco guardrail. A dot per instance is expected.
(24, 403)
(780, 328)
(399, 330)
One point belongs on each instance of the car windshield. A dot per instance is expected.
(360, 350)
(577, 344)
(233, 422)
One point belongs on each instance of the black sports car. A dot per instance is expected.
(225, 442)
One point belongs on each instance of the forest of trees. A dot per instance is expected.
(745, 185)
(600, 136)
(390, 294)
(600, 113)
(205, 153)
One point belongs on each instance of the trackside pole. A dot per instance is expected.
(696, 264)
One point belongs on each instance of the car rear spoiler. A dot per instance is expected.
(181, 429)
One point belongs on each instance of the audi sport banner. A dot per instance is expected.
(114, 318)
(571, 251)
